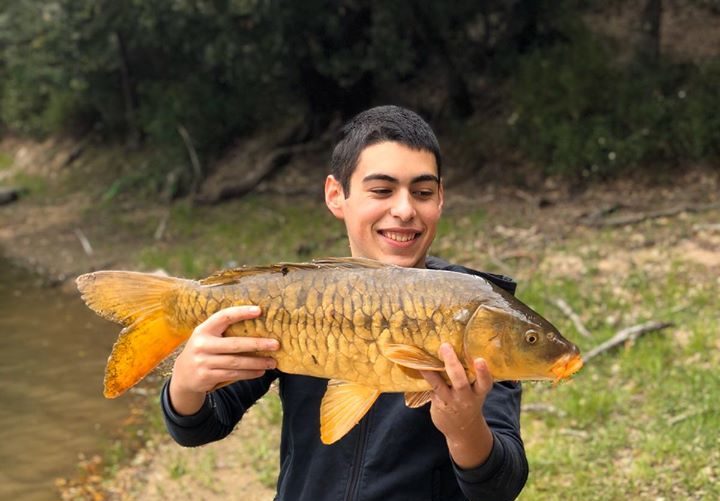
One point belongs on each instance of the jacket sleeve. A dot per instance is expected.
(221, 411)
(503, 475)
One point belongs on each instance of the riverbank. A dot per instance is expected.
(620, 253)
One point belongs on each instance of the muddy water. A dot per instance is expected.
(52, 356)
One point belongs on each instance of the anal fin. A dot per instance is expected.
(418, 398)
(343, 406)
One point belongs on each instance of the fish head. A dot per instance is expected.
(519, 344)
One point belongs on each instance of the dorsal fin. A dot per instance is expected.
(231, 276)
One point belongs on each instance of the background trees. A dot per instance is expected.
(559, 89)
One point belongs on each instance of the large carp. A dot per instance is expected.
(368, 327)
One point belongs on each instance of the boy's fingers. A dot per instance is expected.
(484, 380)
(453, 367)
(438, 384)
(240, 363)
(227, 375)
(219, 321)
(247, 344)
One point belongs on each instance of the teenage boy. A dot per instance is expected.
(386, 187)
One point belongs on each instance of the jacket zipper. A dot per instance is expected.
(356, 467)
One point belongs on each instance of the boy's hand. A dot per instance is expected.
(209, 359)
(456, 409)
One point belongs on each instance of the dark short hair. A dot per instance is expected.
(377, 125)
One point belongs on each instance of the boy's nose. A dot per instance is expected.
(403, 208)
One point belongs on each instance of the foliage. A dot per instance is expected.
(219, 69)
(577, 112)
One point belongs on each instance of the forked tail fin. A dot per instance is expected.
(138, 301)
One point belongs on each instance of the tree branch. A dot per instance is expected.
(627, 334)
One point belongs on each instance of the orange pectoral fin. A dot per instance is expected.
(412, 357)
(343, 406)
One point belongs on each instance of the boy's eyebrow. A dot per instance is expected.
(384, 177)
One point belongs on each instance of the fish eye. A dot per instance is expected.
(531, 337)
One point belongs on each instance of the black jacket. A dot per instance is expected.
(394, 453)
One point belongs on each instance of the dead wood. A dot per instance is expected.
(9, 194)
(624, 335)
(84, 242)
(194, 159)
(267, 166)
(542, 408)
(574, 318)
(643, 216)
(162, 226)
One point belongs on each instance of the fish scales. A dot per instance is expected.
(355, 321)
(287, 320)
(350, 346)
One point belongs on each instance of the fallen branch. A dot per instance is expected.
(568, 311)
(263, 169)
(599, 214)
(162, 226)
(638, 218)
(685, 415)
(9, 194)
(540, 407)
(194, 159)
(84, 242)
(624, 335)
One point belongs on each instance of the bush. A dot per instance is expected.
(577, 112)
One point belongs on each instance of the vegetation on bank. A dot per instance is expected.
(638, 422)
(541, 75)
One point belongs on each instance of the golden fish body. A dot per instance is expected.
(367, 326)
(336, 325)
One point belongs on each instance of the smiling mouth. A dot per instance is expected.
(397, 236)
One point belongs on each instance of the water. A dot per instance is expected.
(52, 356)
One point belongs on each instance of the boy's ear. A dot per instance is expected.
(441, 193)
(334, 196)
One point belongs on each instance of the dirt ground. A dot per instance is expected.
(46, 235)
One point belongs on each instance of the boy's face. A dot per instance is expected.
(394, 205)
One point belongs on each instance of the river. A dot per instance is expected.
(52, 357)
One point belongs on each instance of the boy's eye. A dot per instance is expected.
(424, 193)
(381, 191)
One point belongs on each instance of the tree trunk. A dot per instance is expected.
(457, 89)
(650, 31)
(135, 135)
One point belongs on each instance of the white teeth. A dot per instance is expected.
(399, 237)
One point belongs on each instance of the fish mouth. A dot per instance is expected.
(567, 366)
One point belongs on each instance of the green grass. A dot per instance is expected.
(248, 231)
(267, 439)
(35, 187)
(5, 160)
(639, 422)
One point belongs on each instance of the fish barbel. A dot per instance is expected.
(368, 327)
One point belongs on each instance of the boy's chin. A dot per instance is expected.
(404, 261)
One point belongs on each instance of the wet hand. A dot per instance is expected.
(456, 408)
(209, 359)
